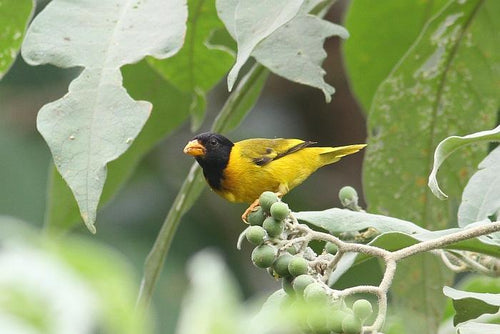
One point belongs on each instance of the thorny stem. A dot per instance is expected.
(390, 258)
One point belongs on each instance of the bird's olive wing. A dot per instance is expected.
(263, 151)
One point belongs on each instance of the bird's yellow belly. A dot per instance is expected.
(245, 182)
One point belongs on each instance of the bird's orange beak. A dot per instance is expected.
(195, 148)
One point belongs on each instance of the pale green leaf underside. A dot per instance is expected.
(82, 141)
(14, 17)
(295, 51)
(97, 121)
(342, 220)
(289, 44)
(481, 196)
(450, 145)
(250, 21)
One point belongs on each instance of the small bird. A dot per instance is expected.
(242, 171)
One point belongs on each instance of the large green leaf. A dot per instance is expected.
(14, 17)
(199, 65)
(447, 83)
(97, 120)
(381, 33)
(470, 305)
(170, 109)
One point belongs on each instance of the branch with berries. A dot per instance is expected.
(282, 246)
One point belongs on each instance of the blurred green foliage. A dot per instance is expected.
(142, 184)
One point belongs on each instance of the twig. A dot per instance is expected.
(305, 235)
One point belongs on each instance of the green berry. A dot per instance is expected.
(348, 196)
(298, 266)
(255, 235)
(263, 256)
(279, 210)
(280, 266)
(351, 324)
(317, 321)
(256, 217)
(362, 309)
(331, 248)
(286, 284)
(335, 320)
(314, 293)
(273, 227)
(301, 282)
(267, 199)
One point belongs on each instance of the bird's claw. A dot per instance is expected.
(253, 207)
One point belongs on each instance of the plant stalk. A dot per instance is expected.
(236, 106)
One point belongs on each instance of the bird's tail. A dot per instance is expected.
(333, 154)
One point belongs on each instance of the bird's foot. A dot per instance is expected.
(253, 207)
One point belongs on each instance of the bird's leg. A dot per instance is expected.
(253, 207)
(249, 210)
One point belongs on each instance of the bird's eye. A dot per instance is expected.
(213, 141)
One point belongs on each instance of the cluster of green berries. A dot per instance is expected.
(267, 223)
(267, 231)
(341, 319)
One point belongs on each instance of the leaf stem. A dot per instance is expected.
(193, 184)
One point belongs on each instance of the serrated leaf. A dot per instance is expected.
(199, 65)
(378, 44)
(171, 108)
(295, 51)
(470, 305)
(445, 84)
(250, 22)
(97, 121)
(450, 145)
(14, 18)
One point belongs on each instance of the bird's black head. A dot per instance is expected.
(212, 151)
